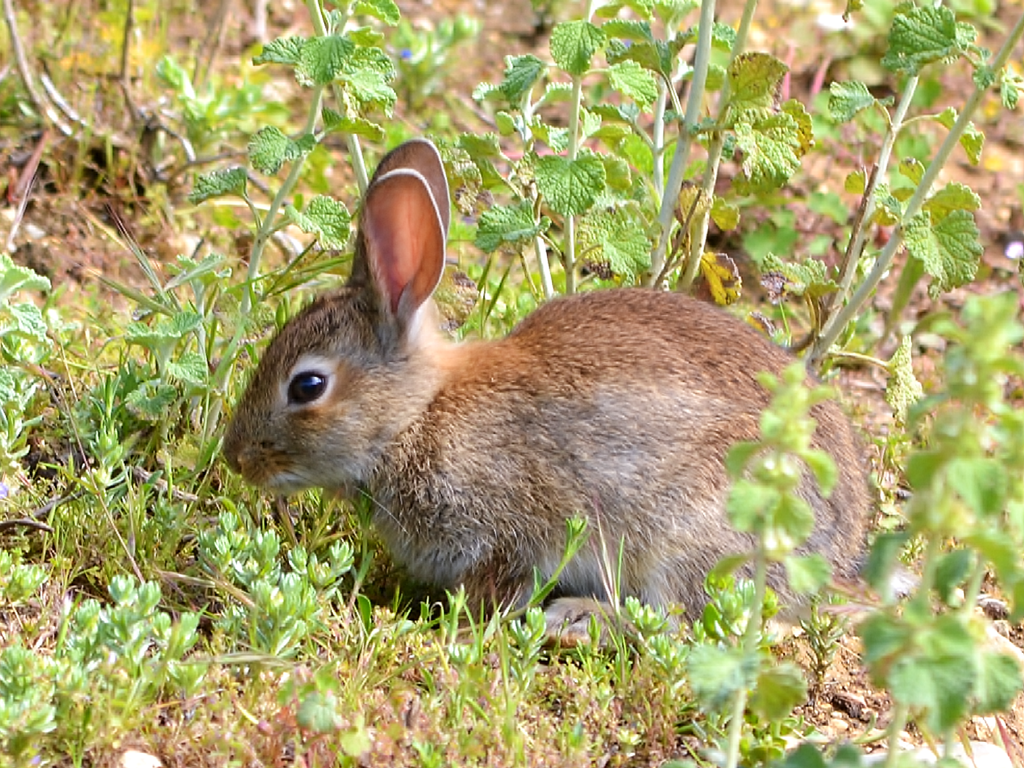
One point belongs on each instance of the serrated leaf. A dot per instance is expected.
(725, 215)
(356, 126)
(903, 389)
(521, 73)
(616, 173)
(628, 29)
(229, 181)
(634, 82)
(28, 321)
(721, 276)
(972, 140)
(151, 400)
(804, 128)
(778, 690)
(911, 169)
(367, 75)
(14, 278)
(171, 329)
(322, 59)
(770, 151)
(367, 37)
(922, 35)
(615, 236)
(190, 368)
(284, 50)
(607, 10)
(807, 574)
(952, 197)
(326, 218)
(982, 483)
(385, 10)
(807, 278)
(507, 224)
(723, 37)
(950, 249)
(847, 99)
(856, 182)
(267, 149)
(754, 80)
(557, 92)
(998, 682)
(941, 686)
(555, 137)
(570, 187)
(573, 45)
(716, 674)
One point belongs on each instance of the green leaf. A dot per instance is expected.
(952, 197)
(615, 236)
(981, 482)
(950, 249)
(521, 73)
(754, 80)
(940, 685)
(972, 140)
(921, 35)
(507, 224)
(628, 29)
(903, 389)
(14, 278)
(356, 126)
(777, 691)
(318, 712)
(324, 217)
(951, 572)
(229, 181)
(847, 99)
(883, 560)
(191, 368)
(28, 322)
(284, 50)
(609, 8)
(171, 329)
(725, 215)
(716, 674)
(322, 59)
(748, 503)
(807, 574)
(770, 151)
(267, 149)
(807, 278)
(856, 182)
(151, 400)
(998, 682)
(385, 10)
(912, 169)
(635, 82)
(367, 75)
(570, 187)
(573, 45)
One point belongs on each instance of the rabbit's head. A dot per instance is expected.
(354, 368)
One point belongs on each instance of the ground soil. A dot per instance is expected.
(65, 236)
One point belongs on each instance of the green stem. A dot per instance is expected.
(681, 156)
(750, 635)
(896, 726)
(658, 134)
(569, 252)
(715, 153)
(883, 264)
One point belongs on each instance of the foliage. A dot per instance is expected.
(151, 602)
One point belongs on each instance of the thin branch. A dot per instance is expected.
(42, 107)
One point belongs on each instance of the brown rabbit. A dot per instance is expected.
(618, 406)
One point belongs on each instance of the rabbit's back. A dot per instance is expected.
(618, 406)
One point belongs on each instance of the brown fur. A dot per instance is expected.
(618, 406)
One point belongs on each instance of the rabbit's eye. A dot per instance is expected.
(306, 387)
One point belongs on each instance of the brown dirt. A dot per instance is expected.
(65, 235)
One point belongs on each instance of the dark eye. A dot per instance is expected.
(306, 387)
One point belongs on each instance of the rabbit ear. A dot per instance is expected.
(403, 241)
(420, 155)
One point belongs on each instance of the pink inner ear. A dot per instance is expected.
(404, 241)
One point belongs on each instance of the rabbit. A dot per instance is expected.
(616, 405)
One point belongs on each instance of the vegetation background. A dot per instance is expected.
(149, 601)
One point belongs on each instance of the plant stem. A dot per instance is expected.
(569, 252)
(715, 153)
(750, 635)
(681, 156)
(658, 134)
(839, 320)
